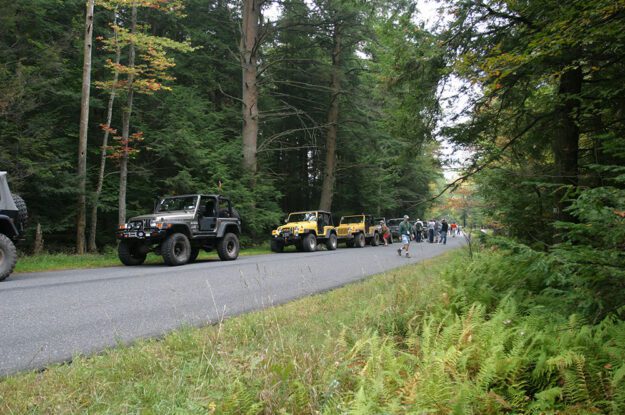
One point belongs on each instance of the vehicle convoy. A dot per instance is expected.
(179, 227)
(305, 230)
(359, 230)
(13, 219)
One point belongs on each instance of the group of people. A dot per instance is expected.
(433, 231)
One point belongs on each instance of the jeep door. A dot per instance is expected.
(323, 220)
(207, 213)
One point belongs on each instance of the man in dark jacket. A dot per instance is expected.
(444, 229)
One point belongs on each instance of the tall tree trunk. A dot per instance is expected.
(565, 143)
(109, 116)
(329, 171)
(249, 55)
(81, 219)
(123, 167)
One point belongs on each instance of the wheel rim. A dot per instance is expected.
(1, 256)
(230, 247)
(179, 248)
(312, 243)
(334, 241)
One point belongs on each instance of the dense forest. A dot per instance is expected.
(343, 108)
(322, 104)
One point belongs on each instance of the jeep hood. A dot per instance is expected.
(6, 199)
(165, 216)
(297, 225)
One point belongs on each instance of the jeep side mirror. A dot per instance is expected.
(286, 220)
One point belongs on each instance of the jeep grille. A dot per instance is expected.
(342, 232)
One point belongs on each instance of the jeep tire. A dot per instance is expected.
(8, 256)
(277, 246)
(194, 254)
(228, 247)
(176, 249)
(375, 239)
(359, 240)
(332, 242)
(129, 254)
(309, 242)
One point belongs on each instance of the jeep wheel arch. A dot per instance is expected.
(180, 228)
(7, 227)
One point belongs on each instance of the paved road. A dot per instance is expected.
(50, 316)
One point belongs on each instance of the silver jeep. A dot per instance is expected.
(179, 227)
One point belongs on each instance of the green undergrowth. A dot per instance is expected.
(108, 258)
(452, 335)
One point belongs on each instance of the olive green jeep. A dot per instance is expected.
(305, 230)
(359, 230)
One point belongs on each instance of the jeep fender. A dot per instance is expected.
(228, 228)
(180, 228)
(7, 227)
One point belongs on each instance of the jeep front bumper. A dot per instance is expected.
(287, 237)
(143, 234)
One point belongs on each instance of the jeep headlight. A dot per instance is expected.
(122, 226)
(159, 225)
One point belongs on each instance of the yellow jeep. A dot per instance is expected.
(358, 230)
(305, 230)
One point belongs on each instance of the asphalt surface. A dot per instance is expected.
(50, 317)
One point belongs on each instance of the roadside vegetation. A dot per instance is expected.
(452, 335)
(108, 258)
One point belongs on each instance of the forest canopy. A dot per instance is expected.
(346, 101)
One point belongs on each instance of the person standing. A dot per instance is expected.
(418, 230)
(437, 232)
(452, 229)
(404, 232)
(385, 231)
(431, 225)
(444, 229)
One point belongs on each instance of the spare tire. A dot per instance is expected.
(22, 211)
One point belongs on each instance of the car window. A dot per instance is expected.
(176, 204)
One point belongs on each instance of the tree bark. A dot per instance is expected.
(38, 247)
(565, 142)
(249, 56)
(109, 117)
(329, 173)
(123, 167)
(81, 219)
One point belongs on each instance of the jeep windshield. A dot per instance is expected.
(177, 204)
(351, 219)
(302, 217)
(394, 222)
